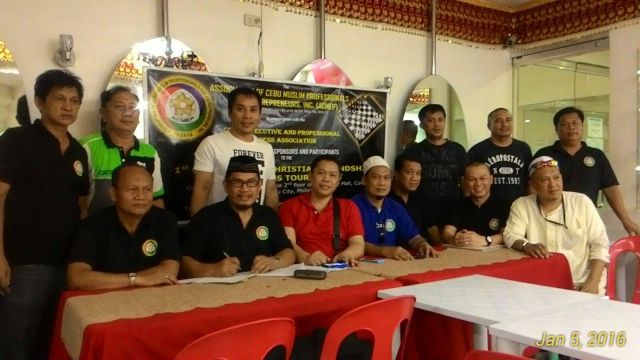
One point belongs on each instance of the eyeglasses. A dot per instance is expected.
(237, 183)
(382, 233)
(123, 109)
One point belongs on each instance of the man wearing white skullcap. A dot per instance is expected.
(560, 221)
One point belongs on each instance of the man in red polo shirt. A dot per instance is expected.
(308, 219)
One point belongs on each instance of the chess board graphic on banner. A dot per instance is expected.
(300, 121)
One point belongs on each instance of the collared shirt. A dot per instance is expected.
(41, 209)
(103, 243)
(587, 172)
(582, 239)
(217, 230)
(314, 229)
(105, 156)
(420, 209)
(486, 219)
(390, 225)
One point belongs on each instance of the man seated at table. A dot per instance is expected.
(478, 219)
(131, 243)
(406, 179)
(560, 221)
(236, 234)
(388, 228)
(308, 219)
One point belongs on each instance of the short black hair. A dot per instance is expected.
(115, 174)
(567, 111)
(404, 156)
(430, 109)
(22, 111)
(53, 79)
(231, 98)
(410, 127)
(319, 158)
(107, 95)
(493, 112)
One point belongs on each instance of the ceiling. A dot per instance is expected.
(508, 5)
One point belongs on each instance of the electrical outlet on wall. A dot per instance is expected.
(252, 20)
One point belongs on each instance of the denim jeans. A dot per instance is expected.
(27, 312)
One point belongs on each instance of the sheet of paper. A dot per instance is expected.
(476, 248)
(239, 277)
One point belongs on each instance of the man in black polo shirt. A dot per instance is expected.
(43, 188)
(236, 234)
(132, 243)
(406, 179)
(478, 219)
(585, 169)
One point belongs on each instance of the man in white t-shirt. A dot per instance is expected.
(214, 152)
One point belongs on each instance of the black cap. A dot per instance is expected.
(243, 164)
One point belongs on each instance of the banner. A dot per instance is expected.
(300, 121)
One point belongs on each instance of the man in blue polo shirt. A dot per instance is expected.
(388, 228)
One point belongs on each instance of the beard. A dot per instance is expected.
(242, 207)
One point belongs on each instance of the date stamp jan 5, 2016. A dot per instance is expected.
(593, 339)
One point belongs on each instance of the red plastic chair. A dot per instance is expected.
(491, 355)
(378, 320)
(246, 341)
(627, 244)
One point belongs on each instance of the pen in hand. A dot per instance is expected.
(227, 256)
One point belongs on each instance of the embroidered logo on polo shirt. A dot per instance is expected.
(589, 161)
(494, 224)
(262, 232)
(389, 225)
(150, 247)
(77, 166)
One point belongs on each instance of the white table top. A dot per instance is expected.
(486, 300)
(606, 318)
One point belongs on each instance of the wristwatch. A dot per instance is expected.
(132, 279)
(488, 240)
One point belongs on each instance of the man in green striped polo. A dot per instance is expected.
(115, 144)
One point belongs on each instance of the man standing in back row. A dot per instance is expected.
(117, 144)
(585, 169)
(506, 157)
(214, 152)
(43, 187)
(442, 161)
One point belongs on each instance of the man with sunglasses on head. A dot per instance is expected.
(388, 227)
(116, 144)
(236, 234)
(560, 221)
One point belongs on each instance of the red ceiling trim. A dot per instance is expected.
(479, 24)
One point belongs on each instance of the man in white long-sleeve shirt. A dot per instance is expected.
(560, 221)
